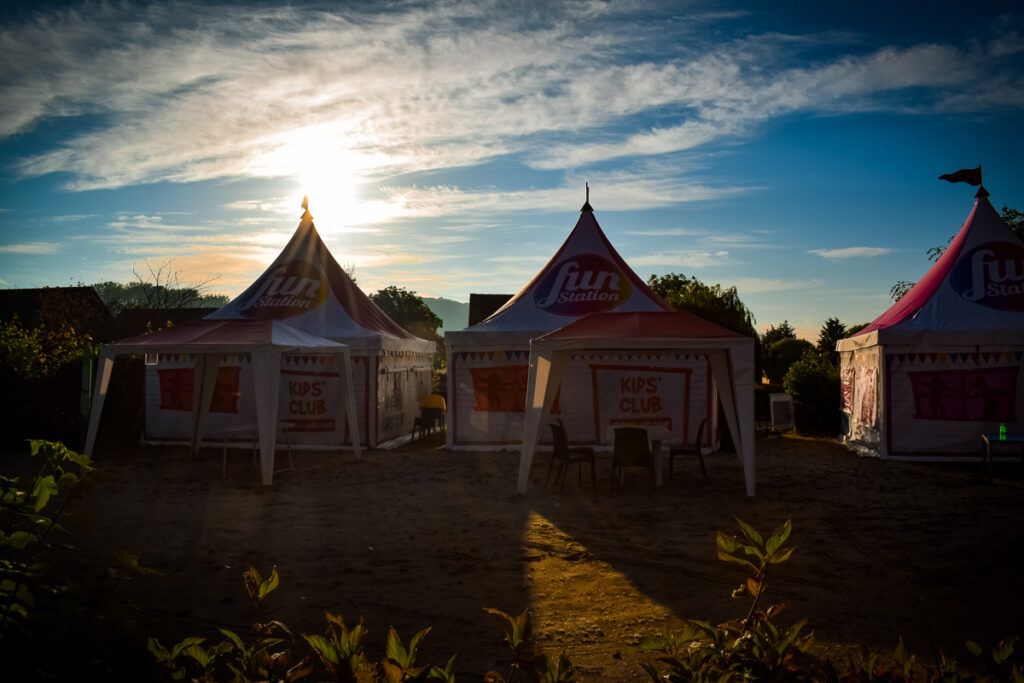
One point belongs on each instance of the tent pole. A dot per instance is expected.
(204, 378)
(267, 376)
(542, 385)
(350, 404)
(103, 371)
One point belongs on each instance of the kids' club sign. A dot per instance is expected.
(583, 284)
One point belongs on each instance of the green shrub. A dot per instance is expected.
(781, 355)
(813, 381)
(758, 648)
(274, 654)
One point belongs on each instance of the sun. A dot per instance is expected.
(323, 168)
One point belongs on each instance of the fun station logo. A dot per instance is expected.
(583, 284)
(288, 290)
(992, 275)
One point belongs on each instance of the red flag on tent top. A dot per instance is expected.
(971, 176)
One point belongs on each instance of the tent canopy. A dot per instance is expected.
(265, 340)
(226, 336)
(731, 357)
(974, 293)
(306, 287)
(585, 275)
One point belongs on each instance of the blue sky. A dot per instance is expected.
(789, 149)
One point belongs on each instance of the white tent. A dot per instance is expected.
(487, 362)
(307, 289)
(943, 364)
(731, 357)
(206, 343)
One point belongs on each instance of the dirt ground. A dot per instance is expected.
(421, 536)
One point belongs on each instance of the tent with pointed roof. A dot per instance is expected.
(943, 364)
(306, 288)
(211, 344)
(488, 362)
(730, 355)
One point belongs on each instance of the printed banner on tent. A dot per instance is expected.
(176, 386)
(630, 394)
(582, 284)
(502, 389)
(866, 395)
(847, 378)
(293, 288)
(992, 275)
(309, 400)
(979, 395)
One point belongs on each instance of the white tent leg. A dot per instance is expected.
(738, 406)
(350, 404)
(449, 414)
(267, 376)
(204, 378)
(542, 386)
(99, 394)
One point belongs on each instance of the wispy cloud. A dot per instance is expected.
(682, 258)
(34, 248)
(851, 252)
(281, 91)
(754, 285)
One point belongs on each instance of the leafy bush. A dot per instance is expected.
(274, 654)
(814, 384)
(40, 370)
(752, 648)
(781, 355)
(41, 612)
(757, 648)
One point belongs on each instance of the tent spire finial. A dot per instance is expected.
(306, 215)
(586, 205)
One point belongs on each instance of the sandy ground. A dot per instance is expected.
(420, 537)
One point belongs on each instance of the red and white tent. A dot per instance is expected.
(488, 362)
(730, 355)
(213, 349)
(307, 289)
(943, 364)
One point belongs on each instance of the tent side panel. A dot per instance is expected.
(861, 380)
(169, 414)
(598, 389)
(489, 399)
(309, 397)
(403, 381)
(942, 401)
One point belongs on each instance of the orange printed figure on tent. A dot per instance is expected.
(500, 389)
(176, 390)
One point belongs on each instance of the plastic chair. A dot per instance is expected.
(567, 456)
(428, 420)
(689, 449)
(631, 449)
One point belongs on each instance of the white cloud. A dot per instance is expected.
(33, 248)
(851, 252)
(752, 285)
(285, 91)
(682, 258)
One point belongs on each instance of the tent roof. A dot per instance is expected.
(973, 293)
(225, 336)
(585, 275)
(306, 287)
(640, 326)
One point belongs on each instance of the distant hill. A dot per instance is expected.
(455, 314)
